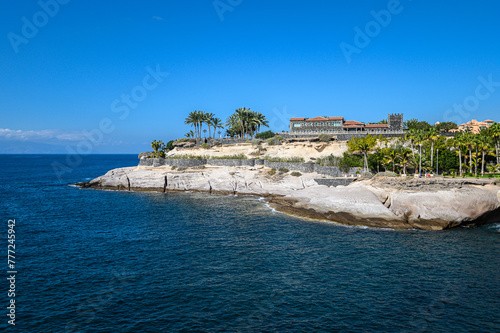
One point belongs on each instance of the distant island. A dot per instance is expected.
(395, 174)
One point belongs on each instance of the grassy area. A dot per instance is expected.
(230, 157)
(201, 157)
(188, 157)
(285, 159)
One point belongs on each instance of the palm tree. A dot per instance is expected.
(485, 143)
(217, 124)
(363, 145)
(158, 148)
(189, 134)
(432, 135)
(208, 119)
(191, 119)
(391, 155)
(469, 137)
(404, 158)
(459, 141)
(495, 132)
(260, 120)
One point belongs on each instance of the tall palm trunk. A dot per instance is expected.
(470, 157)
(482, 161)
(475, 167)
(432, 154)
(497, 150)
(460, 160)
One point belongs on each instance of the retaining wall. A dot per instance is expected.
(231, 162)
(302, 167)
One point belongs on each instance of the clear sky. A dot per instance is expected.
(67, 67)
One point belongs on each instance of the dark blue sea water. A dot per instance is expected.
(105, 261)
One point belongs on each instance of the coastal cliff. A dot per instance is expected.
(379, 202)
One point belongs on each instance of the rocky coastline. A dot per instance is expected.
(380, 202)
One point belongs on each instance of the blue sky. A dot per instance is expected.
(282, 58)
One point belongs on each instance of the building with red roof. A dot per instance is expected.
(337, 125)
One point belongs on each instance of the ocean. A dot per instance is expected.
(107, 261)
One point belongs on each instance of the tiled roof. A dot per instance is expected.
(317, 119)
(297, 118)
(353, 126)
(489, 121)
(336, 118)
(352, 122)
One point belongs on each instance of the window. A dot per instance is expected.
(297, 124)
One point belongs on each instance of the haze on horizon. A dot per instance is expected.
(122, 74)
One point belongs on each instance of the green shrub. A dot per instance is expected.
(230, 157)
(173, 167)
(204, 145)
(272, 172)
(170, 145)
(256, 142)
(296, 174)
(324, 137)
(329, 161)
(265, 135)
(275, 140)
(283, 170)
(188, 157)
(182, 168)
(181, 140)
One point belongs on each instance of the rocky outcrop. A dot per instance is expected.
(380, 202)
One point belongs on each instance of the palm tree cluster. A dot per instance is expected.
(426, 150)
(197, 119)
(473, 149)
(245, 122)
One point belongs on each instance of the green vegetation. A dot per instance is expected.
(283, 170)
(205, 146)
(170, 145)
(197, 119)
(256, 142)
(362, 145)
(284, 159)
(272, 172)
(158, 148)
(187, 157)
(230, 157)
(296, 174)
(325, 137)
(275, 140)
(264, 135)
(445, 127)
(245, 122)
(203, 157)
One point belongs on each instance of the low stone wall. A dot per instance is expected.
(302, 167)
(335, 182)
(231, 162)
(156, 162)
(335, 171)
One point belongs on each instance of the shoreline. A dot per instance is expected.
(381, 202)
